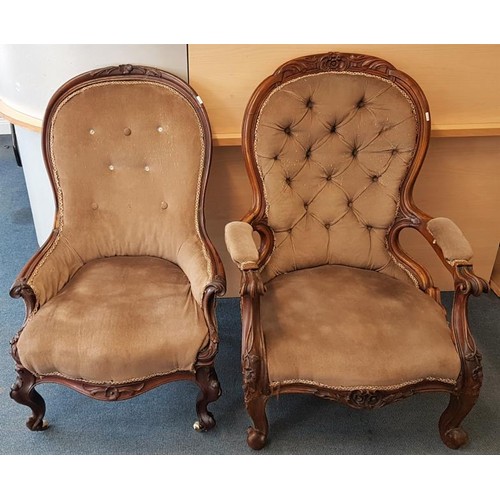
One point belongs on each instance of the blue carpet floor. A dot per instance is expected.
(160, 421)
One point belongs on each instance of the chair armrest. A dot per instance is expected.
(46, 272)
(241, 245)
(450, 239)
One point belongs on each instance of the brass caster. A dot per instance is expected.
(197, 426)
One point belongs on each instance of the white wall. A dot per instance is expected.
(4, 127)
(30, 74)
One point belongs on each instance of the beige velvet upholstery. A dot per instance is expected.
(333, 150)
(451, 240)
(118, 168)
(241, 246)
(361, 329)
(118, 319)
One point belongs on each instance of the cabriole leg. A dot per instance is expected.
(210, 390)
(257, 435)
(23, 392)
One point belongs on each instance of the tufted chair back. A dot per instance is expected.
(331, 139)
(128, 150)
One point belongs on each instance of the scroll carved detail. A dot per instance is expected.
(334, 61)
(466, 282)
(251, 368)
(252, 284)
(365, 399)
(113, 392)
(21, 289)
(126, 69)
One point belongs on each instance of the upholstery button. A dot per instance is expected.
(163, 205)
(374, 178)
(287, 130)
(276, 157)
(146, 168)
(160, 129)
(309, 103)
(308, 153)
(333, 128)
(289, 231)
(349, 204)
(369, 228)
(127, 131)
(306, 206)
(329, 178)
(361, 103)
(354, 152)
(327, 226)
(394, 152)
(91, 131)
(111, 167)
(94, 206)
(288, 180)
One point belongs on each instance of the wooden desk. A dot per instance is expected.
(460, 81)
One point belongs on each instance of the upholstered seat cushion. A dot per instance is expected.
(349, 327)
(118, 319)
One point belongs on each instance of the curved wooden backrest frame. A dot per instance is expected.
(408, 214)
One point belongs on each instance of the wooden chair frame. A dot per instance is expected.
(23, 391)
(257, 388)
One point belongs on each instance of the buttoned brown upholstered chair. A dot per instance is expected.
(331, 304)
(121, 298)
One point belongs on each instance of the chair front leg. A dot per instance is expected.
(471, 373)
(23, 392)
(253, 357)
(210, 391)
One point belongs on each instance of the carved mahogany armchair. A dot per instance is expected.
(121, 298)
(331, 304)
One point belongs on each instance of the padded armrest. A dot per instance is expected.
(448, 236)
(241, 245)
(58, 263)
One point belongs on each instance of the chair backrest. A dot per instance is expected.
(128, 150)
(331, 142)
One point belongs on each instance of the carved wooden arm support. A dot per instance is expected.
(456, 254)
(249, 259)
(255, 377)
(215, 289)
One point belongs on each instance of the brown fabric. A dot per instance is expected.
(241, 246)
(56, 269)
(333, 150)
(342, 326)
(117, 319)
(451, 240)
(128, 159)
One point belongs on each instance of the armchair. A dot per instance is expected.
(121, 298)
(331, 304)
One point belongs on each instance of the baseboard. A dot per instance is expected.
(4, 127)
